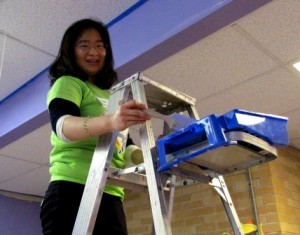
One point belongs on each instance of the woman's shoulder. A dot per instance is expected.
(69, 79)
(67, 87)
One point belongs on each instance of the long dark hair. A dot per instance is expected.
(65, 63)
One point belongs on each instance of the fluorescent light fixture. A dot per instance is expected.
(297, 66)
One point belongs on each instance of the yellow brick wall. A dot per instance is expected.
(286, 181)
(198, 209)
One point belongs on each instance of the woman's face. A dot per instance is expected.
(90, 53)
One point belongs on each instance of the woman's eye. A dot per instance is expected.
(100, 46)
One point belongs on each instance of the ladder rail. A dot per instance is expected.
(155, 187)
(97, 177)
(219, 185)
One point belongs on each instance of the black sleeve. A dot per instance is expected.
(129, 141)
(59, 107)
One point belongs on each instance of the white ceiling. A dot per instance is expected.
(245, 65)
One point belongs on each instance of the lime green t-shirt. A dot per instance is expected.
(70, 161)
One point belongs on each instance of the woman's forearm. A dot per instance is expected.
(80, 128)
(128, 114)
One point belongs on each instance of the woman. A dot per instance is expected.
(81, 77)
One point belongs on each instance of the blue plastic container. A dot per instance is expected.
(207, 130)
(270, 128)
(209, 133)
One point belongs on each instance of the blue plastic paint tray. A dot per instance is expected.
(270, 128)
(236, 140)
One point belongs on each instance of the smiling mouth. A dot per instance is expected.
(93, 61)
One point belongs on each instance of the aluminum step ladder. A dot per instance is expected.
(145, 176)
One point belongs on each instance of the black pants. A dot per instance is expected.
(60, 206)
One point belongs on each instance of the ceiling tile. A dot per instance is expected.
(2, 42)
(34, 182)
(217, 62)
(295, 143)
(20, 63)
(294, 124)
(277, 27)
(34, 147)
(274, 93)
(36, 18)
(10, 168)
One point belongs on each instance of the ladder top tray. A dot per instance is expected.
(161, 98)
(236, 140)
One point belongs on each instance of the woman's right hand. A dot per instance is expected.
(128, 114)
